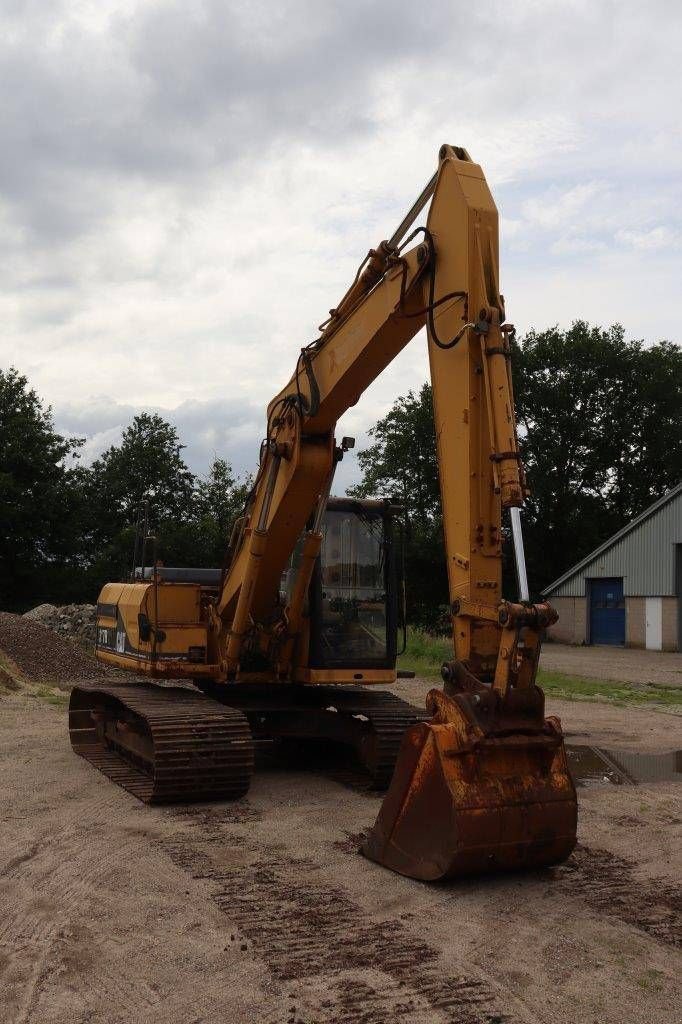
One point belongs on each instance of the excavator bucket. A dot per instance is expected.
(465, 802)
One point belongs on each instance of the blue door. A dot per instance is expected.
(607, 611)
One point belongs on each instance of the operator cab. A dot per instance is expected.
(354, 593)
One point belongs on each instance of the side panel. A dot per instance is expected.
(177, 604)
(118, 606)
(178, 639)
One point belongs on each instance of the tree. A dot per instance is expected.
(39, 499)
(601, 436)
(66, 529)
(146, 466)
(402, 461)
(190, 517)
(402, 464)
(218, 501)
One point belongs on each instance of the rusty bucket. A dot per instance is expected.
(463, 801)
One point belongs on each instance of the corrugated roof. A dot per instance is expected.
(663, 500)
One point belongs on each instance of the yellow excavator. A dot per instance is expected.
(287, 642)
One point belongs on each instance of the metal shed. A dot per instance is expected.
(628, 591)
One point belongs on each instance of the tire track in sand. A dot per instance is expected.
(607, 883)
(335, 961)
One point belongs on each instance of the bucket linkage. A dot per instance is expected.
(484, 785)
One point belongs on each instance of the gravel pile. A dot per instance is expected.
(44, 656)
(76, 620)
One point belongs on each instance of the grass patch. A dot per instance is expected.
(651, 980)
(425, 654)
(12, 680)
(559, 684)
(8, 683)
(51, 695)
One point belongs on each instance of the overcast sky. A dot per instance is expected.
(186, 188)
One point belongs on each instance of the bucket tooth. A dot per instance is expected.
(459, 805)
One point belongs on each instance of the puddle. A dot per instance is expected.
(592, 766)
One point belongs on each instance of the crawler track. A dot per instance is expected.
(162, 744)
(372, 722)
(172, 745)
(389, 717)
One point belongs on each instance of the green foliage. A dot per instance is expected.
(425, 654)
(67, 528)
(402, 464)
(567, 687)
(189, 516)
(146, 466)
(600, 433)
(402, 461)
(218, 500)
(38, 496)
(601, 436)
(52, 695)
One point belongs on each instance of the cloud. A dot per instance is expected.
(206, 429)
(557, 208)
(659, 237)
(187, 189)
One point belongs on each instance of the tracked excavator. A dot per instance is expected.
(290, 640)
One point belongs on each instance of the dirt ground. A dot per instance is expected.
(262, 911)
(623, 664)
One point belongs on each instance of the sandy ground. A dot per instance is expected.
(622, 664)
(262, 911)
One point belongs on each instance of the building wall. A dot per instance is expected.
(669, 610)
(563, 631)
(581, 621)
(572, 625)
(635, 621)
(570, 629)
(644, 557)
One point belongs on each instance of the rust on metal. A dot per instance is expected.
(475, 791)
